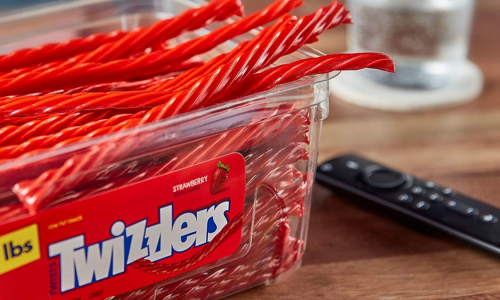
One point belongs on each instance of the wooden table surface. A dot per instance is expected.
(357, 252)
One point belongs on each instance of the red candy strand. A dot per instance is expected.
(284, 38)
(52, 52)
(208, 88)
(146, 65)
(118, 44)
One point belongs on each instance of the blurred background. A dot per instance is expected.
(24, 4)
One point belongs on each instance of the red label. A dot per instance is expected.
(127, 238)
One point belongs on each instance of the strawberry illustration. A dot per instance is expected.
(219, 178)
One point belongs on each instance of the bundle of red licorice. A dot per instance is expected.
(57, 95)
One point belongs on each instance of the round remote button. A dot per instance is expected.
(326, 167)
(488, 218)
(382, 178)
(416, 190)
(448, 192)
(352, 165)
(435, 197)
(422, 205)
(404, 198)
(430, 185)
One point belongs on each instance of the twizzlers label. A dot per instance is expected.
(127, 238)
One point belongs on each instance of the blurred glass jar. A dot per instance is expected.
(428, 39)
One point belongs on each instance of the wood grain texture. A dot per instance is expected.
(358, 251)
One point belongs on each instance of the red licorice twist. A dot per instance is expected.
(285, 37)
(113, 86)
(321, 65)
(138, 40)
(122, 86)
(201, 91)
(143, 38)
(336, 8)
(34, 195)
(290, 127)
(37, 193)
(278, 122)
(35, 104)
(11, 210)
(221, 144)
(52, 52)
(20, 120)
(194, 74)
(17, 105)
(290, 39)
(41, 142)
(208, 91)
(59, 127)
(146, 65)
(22, 130)
(138, 85)
(276, 157)
(13, 134)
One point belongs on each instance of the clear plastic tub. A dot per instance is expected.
(84, 188)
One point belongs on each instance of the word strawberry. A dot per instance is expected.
(219, 178)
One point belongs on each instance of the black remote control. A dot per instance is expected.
(441, 207)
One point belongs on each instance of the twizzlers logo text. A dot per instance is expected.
(81, 264)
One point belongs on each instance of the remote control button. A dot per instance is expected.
(461, 208)
(488, 219)
(352, 165)
(435, 197)
(405, 198)
(421, 205)
(417, 190)
(326, 167)
(448, 192)
(382, 178)
(430, 185)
